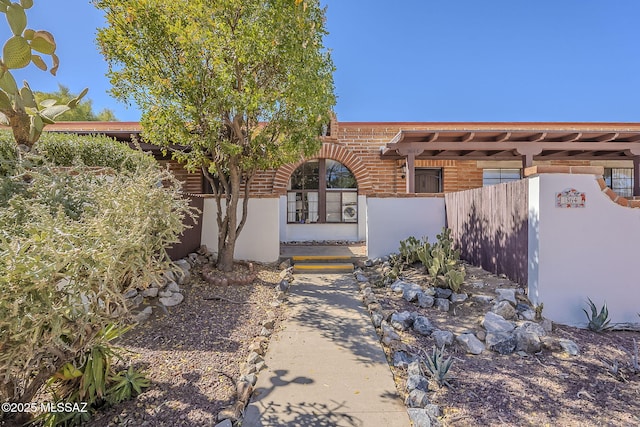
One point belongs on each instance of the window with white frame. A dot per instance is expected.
(322, 191)
(619, 180)
(497, 176)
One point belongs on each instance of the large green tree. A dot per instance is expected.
(243, 85)
(82, 112)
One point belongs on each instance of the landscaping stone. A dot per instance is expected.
(398, 286)
(425, 300)
(504, 309)
(501, 342)
(254, 358)
(417, 382)
(443, 292)
(401, 359)
(458, 297)
(470, 343)
(532, 327)
(172, 300)
(527, 314)
(527, 341)
(283, 285)
(361, 278)
(150, 293)
(484, 299)
(414, 369)
(165, 294)
(419, 417)
(417, 399)
(389, 335)
(495, 323)
(143, 315)
(441, 304)
(411, 292)
(376, 318)
(423, 326)
(402, 321)
(173, 287)
(569, 347)
(443, 338)
(131, 293)
(225, 423)
(506, 294)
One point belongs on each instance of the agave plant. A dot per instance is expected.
(598, 322)
(18, 107)
(438, 367)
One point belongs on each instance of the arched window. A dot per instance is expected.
(320, 191)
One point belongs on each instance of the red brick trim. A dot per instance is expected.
(328, 151)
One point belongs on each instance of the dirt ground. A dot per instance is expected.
(543, 389)
(193, 353)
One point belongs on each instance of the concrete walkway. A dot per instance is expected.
(326, 366)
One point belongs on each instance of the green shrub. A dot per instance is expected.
(71, 241)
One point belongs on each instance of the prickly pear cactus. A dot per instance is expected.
(18, 107)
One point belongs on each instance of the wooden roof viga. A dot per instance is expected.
(509, 141)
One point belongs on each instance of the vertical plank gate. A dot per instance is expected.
(490, 227)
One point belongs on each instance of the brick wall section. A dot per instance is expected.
(357, 146)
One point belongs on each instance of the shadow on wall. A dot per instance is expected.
(490, 227)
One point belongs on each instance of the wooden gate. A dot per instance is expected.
(490, 227)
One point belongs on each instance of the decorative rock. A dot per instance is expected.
(143, 315)
(458, 297)
(243, 391)
(419, 417)
(484, 299)
(425, 300)
(506, 294)
(443, 338)
(150, 293)
(283, 286)
(411, 292)
(402, 321)
(173, 287)
(184, 277)
(225, 423)
(527, 314)
(470, 343)
(501, 342)
(376, 318)
(417, 382)
(570, 347)
(172, 300)
(285, 264)
(265, 332)
(443, 293)
(417, 399)
(481, 334)
(547, 325)
(414, 369)
(504, 309)
(401, 359)
(165, 294)
(532, 327)
(423, 326)
(361, 278)
(135, 302)
(131, 293)
(250, 378)
(369, 263)
(528, 342)
(398, 286)
(256, 347)
(233, 412)
(269, 323)
(441, 304)
(389, 335)
(254, 358)
(495, 323)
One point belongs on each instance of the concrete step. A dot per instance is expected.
(323, 267)
(321, 258)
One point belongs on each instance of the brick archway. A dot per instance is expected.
(328, 151)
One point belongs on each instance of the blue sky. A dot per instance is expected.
(428, 60)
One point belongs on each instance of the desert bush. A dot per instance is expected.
(71, 241)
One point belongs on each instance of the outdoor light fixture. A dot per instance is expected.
(403, 169)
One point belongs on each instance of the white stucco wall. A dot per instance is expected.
(306, 232)
(259, 239)
(390, 220)
(580, 253)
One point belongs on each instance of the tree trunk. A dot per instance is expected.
(228, 234)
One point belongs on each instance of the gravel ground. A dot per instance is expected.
(548, 388)
(193, 353)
